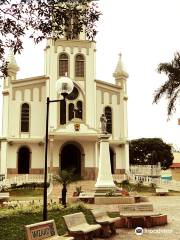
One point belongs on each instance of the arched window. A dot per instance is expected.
(72, 108)
(79, 66)
(25, 117)
(63, 64)
(108, 114)
(79, 110)
(71, 111)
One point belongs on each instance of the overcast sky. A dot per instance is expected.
(146, 32)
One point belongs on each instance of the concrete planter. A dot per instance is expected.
(121, 223)
(114, 200)
(159, 220)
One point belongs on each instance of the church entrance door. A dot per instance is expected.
(23, 160)
(70, 158)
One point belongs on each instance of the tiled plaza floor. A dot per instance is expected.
(166, 204)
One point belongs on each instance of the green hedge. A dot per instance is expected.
(32, 185)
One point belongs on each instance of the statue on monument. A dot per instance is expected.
(103, 121)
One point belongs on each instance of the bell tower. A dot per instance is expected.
(12, 69)
(121, 76)
(76, 57)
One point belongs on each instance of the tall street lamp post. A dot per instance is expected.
(64, 86)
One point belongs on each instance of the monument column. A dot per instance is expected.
(104, 180)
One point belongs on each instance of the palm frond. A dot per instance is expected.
(66, 177)
(172, 101)
(171, 87)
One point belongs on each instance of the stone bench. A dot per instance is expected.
(4, 196)
(162, 191)
(107, 223)
(135, 207)
(44, 230)
(87, 197)
(78, 227)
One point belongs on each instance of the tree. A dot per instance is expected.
(171, 88)
(40, 19)
(150, 151)
(65, 178)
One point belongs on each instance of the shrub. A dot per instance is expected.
(125, 182)
(153, 186)
(32, 185)
(13, 185)
(3, 188)
(110, 193)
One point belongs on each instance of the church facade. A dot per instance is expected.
(74, 124)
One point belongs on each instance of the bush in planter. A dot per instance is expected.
(125, 192)
(78, 191)
(110, 193)
(139, 185)
(125, 182)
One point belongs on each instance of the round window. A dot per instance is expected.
(73, 95)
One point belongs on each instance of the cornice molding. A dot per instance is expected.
(107, 85)
(31, 79)
(5, 92)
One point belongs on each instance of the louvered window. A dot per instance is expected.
(79, 66)
(63, 64)
(25, 117)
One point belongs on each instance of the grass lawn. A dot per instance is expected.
(26, 194)
(12, 221)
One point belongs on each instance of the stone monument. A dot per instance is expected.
(104, 181)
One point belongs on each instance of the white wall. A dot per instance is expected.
(37, 114)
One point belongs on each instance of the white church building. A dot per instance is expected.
(74, 124)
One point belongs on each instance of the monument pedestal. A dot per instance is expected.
(104, 181)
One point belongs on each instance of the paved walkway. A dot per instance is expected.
(167, 204)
